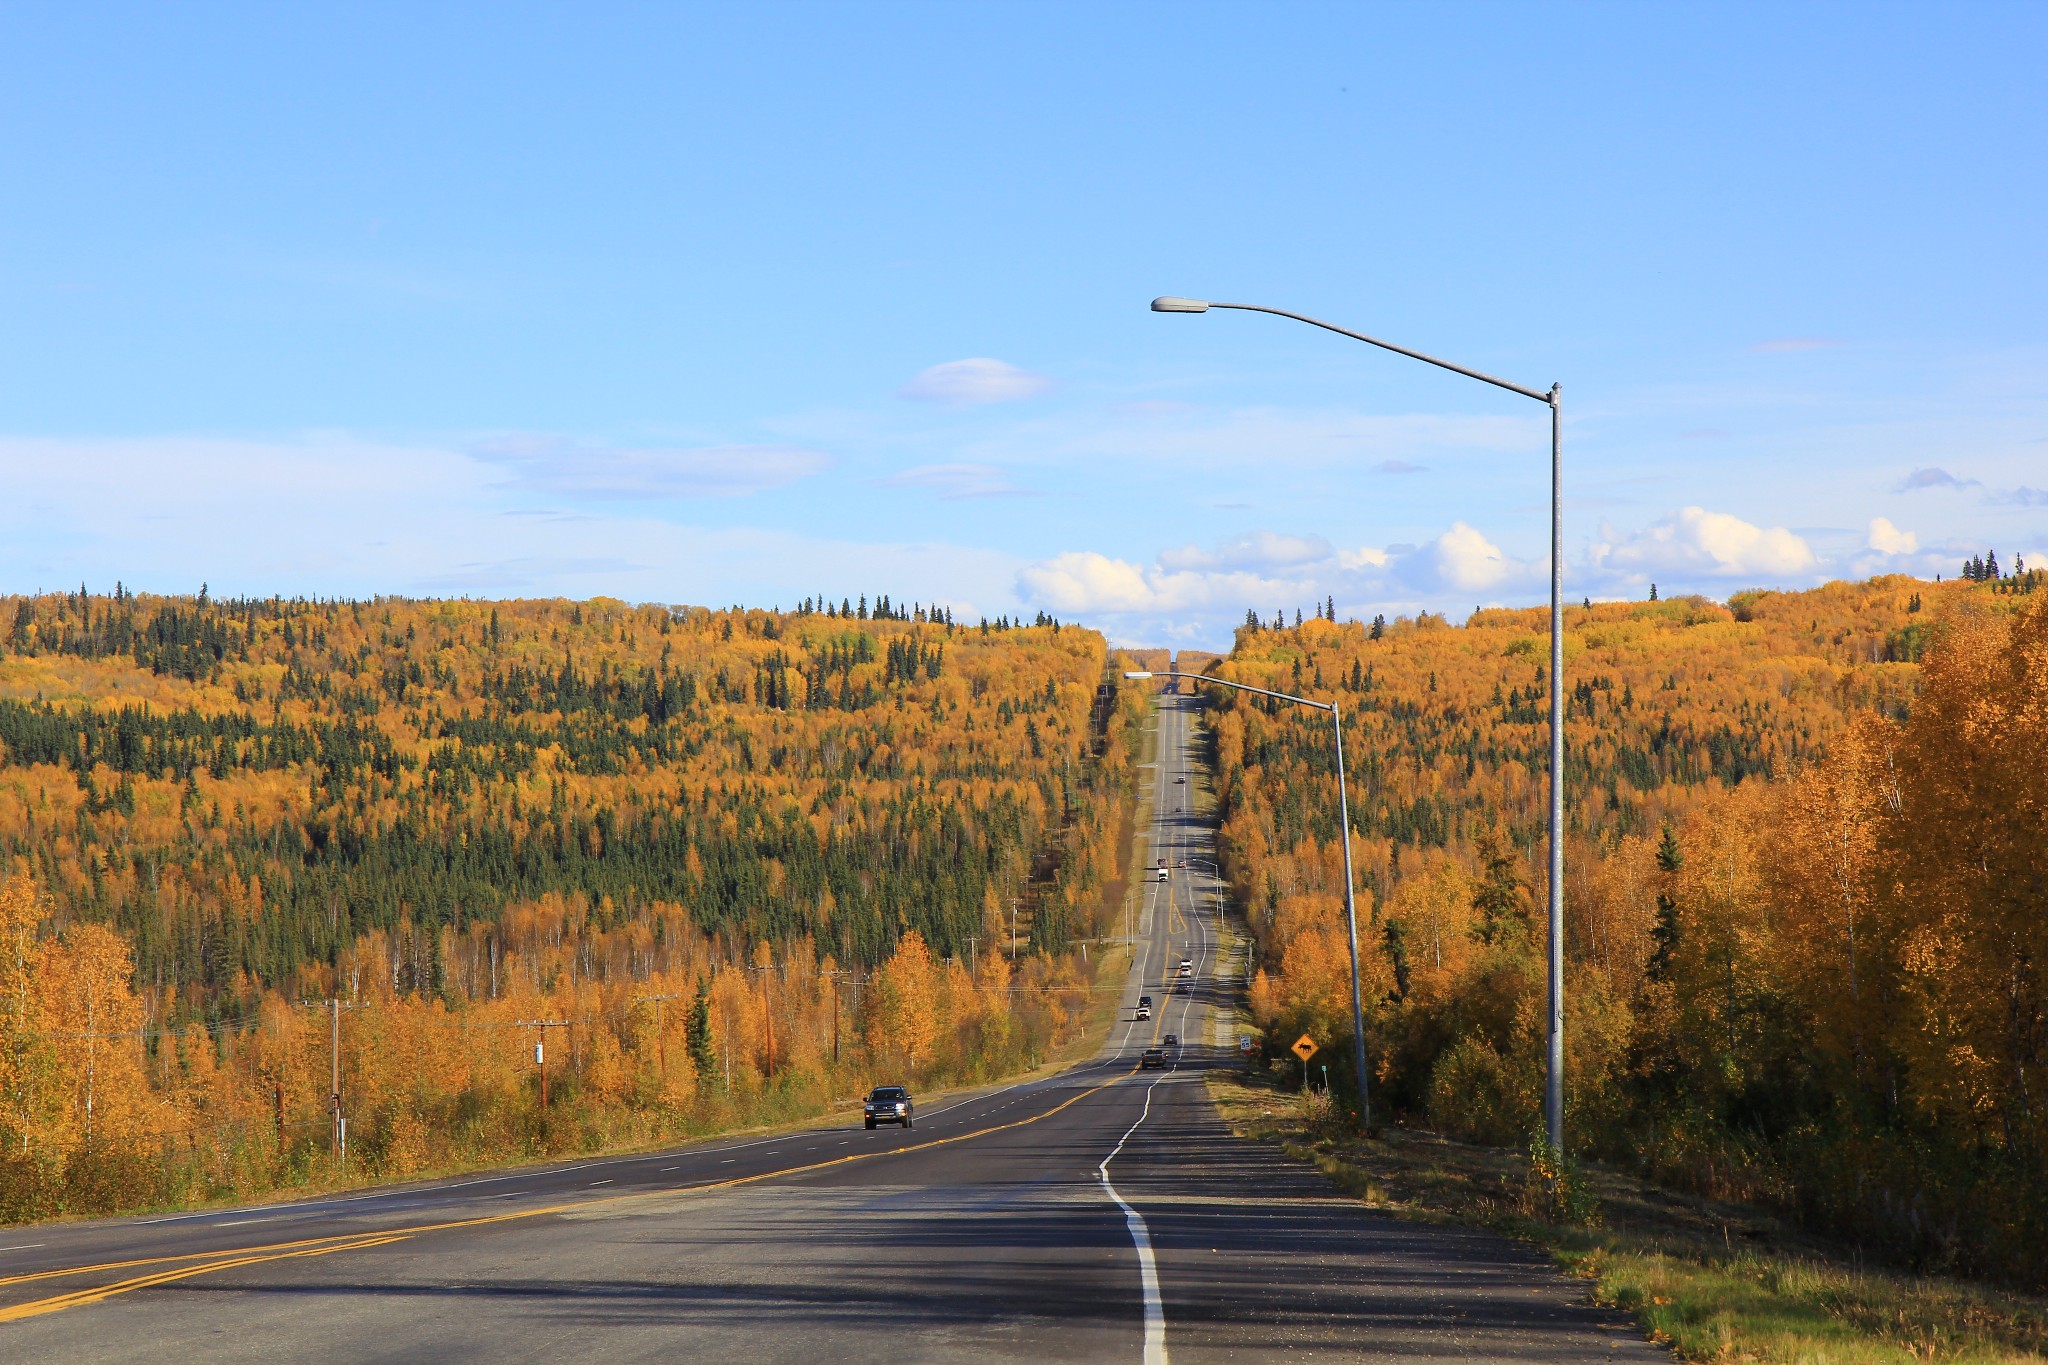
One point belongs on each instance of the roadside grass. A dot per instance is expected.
(1717, 1282)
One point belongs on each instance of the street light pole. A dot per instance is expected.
(1350, 902)
(1553, 398)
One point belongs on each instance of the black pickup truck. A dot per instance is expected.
(887, 1104)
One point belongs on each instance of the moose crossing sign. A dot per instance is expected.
(1304, 1047)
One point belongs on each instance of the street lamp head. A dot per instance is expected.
(1137, 677)
(1167, 303)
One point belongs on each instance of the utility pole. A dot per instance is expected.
(334, 1079)
(338, 1123)
(540, 1051)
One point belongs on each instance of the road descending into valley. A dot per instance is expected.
(1104, 1213)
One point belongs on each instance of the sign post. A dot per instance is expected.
(1304, 1048)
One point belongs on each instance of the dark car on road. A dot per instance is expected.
(887, 1104)
(1153, 1059)
(1172, 1040)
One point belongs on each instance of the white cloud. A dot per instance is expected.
(1463, 558)
(551, 464)
(1889, 539)
(972, 382)
(1256, 550)
(346, 516)
(954, 482)
(1696, 541)
(2019, 497)
(1083, 582)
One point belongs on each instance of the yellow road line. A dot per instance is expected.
(321, 1246)
(79, 1298)
(159, 1260)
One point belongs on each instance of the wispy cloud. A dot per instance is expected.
(1932, 477)
(1783, 345)
(974, 382)
(954, 482)
(2018, 497)
(552, 464)
(1257, 550)
(1399, 467)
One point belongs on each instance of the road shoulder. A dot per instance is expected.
(1712, 1281)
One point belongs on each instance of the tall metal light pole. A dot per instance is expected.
(1350, 903)
(1553, 1088)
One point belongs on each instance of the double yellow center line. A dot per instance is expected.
(209, 1262)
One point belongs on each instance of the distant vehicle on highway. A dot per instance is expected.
(1172, 1040)
(888, 1104)
(1144, 1011)
(1153, 1059)
(1180, 781)
(1144, 1002)
(1187, 964)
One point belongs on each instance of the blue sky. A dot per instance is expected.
(745, 303)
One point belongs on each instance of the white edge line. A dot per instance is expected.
(1141, 1238)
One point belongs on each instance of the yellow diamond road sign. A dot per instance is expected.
(1304, 1047)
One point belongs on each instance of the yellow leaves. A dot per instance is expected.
(93, 1021)
(605, 1074)
(905, 1019)
(1436, 918)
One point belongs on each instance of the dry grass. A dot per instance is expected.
(1717, 1281)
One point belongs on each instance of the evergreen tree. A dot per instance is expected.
(698, 1033)
(1664, 933)
(1498, 896)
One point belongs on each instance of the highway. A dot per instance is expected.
(1101, 1214)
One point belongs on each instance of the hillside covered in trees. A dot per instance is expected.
(720, 864)
(1806, 889)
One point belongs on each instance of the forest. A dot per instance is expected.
(1806, 867)
(298, 891)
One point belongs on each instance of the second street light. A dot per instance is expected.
(1350, 904)
(1553, 1087)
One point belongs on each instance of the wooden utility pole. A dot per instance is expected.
(334, 1085)
(540, 1061)
(337, 1122)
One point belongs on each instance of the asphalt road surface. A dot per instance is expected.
(1102, 1214)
